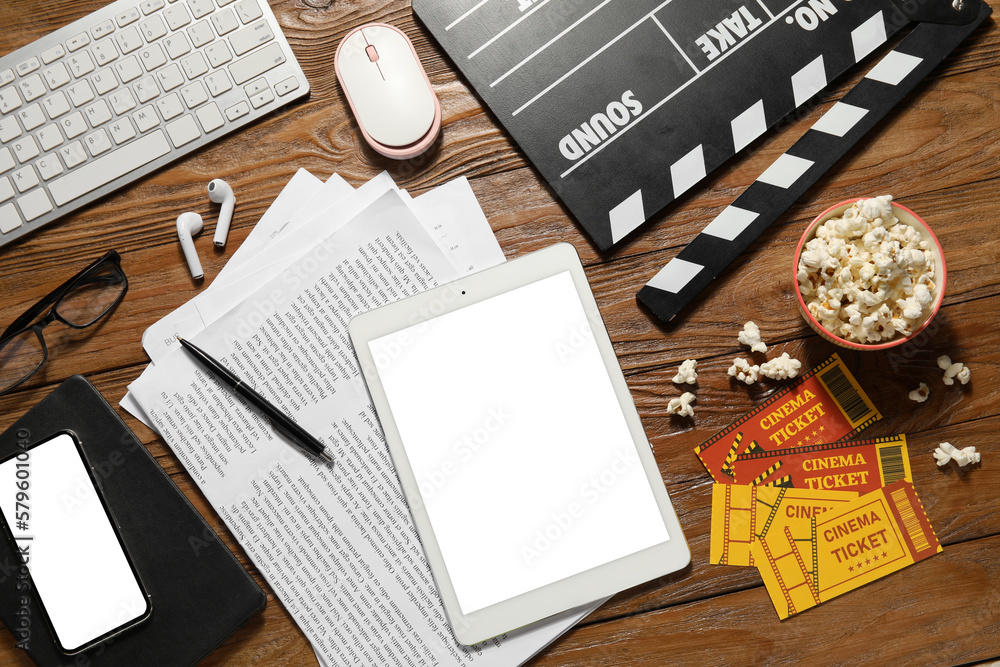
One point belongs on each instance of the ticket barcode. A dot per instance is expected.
(910, 520)
(893, 468)
(849, 396)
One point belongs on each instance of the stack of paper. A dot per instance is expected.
(335, 541)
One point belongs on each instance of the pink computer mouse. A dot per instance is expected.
(388, 90)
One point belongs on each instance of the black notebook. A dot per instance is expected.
(200, 593)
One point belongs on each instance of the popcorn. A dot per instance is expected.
(963, 457)
(781, 368)
(687, 373)
(743, 371)
(681, 406)
(750, 336)
(953, 371)
(921, 393)
(867, 277)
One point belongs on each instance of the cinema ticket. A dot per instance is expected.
(743, 514)
(850, 465)
(849, 546)
(824, 405)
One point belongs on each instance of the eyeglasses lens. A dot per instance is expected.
(19, 357)
(92, 296)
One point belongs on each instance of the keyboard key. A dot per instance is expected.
(52, 54)
(210, 117)
(6, 76)
(102, 171)
(128, 69)
(183, 131)
(102, 29)
(31, 88)
(104, 81)
(201, 33)
(194, 94)
(9, 128)
(153, 28)
(130, 15)
(6, 160)
(34, 204)
(170, 77)
(177, 45)
(170, 106)
(73, 125)
(98, 113)
(9, 99)
(56, 105)
(129, 39)
(223, 3)
(255, 87)
(97, 142)
(73, 154)
(237, 111)
(257, 63)
(6, 189)
(176, 16)
(225, 22)
(104, 52)
(248, 10)
(286, 86)
(146, 89)
(218, 82)
(80, 93)
(250, 38)
(146, 118)
(122, 101)
(31, 117)
(49, 166)
(201, 7)
(9, 219)
(262, 98)
(78, 42)
(25, 179)
(25, 149)
(194, 65)
(122, 130)
(152, 57)
(56, 75)
(49, 137)
(150, 6)
(81, 63)
(218, 54)
(28, 66)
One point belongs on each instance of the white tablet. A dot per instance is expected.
(517, 444)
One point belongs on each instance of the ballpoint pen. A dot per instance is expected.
(279, 419)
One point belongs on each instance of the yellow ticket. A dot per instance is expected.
(743, 514)
(852, 545)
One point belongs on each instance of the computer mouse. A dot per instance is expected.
(388, 90)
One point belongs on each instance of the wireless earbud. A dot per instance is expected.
(188, 225)
(220, 193)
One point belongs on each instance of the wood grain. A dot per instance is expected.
(940, 155)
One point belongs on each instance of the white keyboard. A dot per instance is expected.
(126, 90)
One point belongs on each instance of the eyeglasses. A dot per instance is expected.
(79, 302)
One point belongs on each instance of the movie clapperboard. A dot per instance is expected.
(624, 105)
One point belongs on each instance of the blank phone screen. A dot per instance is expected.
(78, 567)
(518, 442)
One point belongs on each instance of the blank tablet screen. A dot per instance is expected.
(517, 441)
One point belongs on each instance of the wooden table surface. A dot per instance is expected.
(939, 154)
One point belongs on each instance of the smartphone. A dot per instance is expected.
(78, 567)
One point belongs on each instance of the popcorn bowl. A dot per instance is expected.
(905, 216)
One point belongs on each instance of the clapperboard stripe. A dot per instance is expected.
(837, 132)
